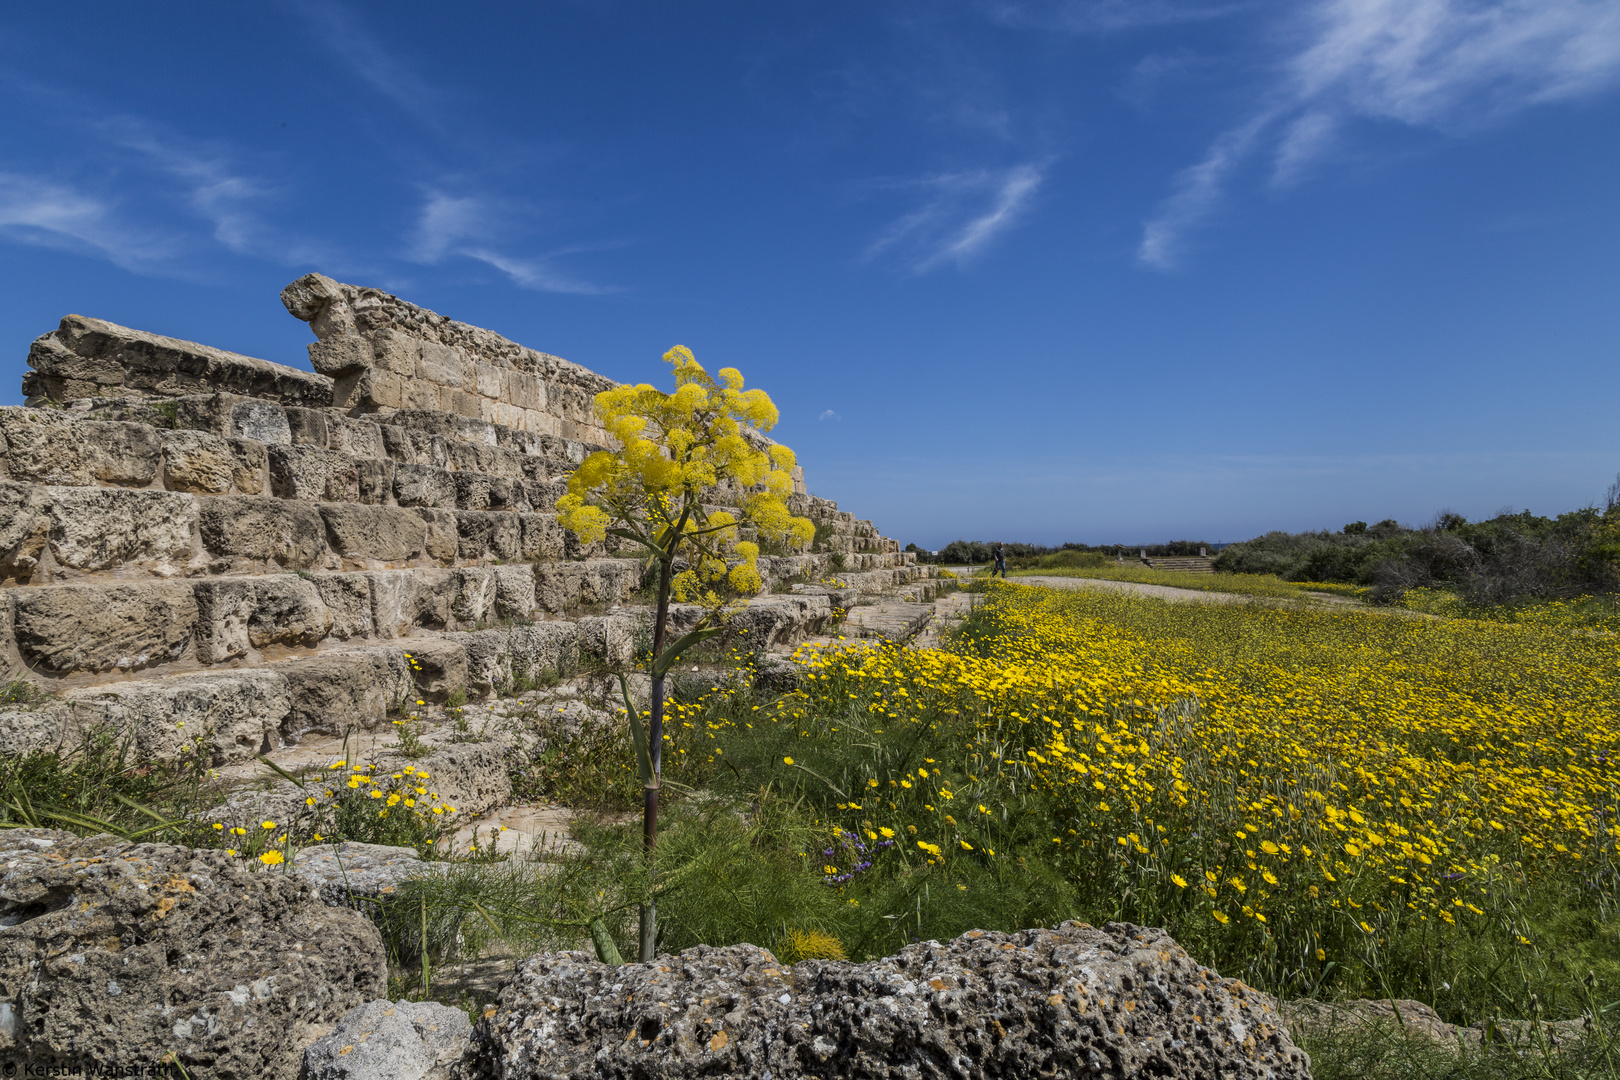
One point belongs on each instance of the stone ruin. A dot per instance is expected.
(203, 551)
(188, 533)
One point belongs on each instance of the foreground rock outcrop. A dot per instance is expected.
(391, 1040)
(114, 954)
(1077, 1001)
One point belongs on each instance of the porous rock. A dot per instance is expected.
(225, 716)
(391, 1040)
(262, 529)
(385, 533)
(352, 874)
(71, 628)
(1076, 1001)
(119, 952)
(104, 528)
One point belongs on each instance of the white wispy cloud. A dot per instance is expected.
(48, 213)
(466, 226)
(342, 33)
(828, 415)
(961, 213)
(211, 181)
(1453, 66)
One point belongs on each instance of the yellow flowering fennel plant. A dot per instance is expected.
(678, 452)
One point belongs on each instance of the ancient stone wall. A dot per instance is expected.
(188, 534)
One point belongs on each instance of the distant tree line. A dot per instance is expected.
(1509, 558)
(958, 552)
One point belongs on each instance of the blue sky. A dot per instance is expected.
(1039, 271)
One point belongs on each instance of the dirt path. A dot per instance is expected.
(1163, 592)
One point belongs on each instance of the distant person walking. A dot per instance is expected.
(1001, 562)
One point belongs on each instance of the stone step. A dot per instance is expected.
(53, 533)
(232, 715)
(893, 620)
(1186, 564)
(95, 629)
(59, 447)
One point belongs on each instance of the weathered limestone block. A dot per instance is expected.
(356, 437)
(541, 539)
(199, 462)
(443, 540)
(541, 648)
(124, 454)
(381, 533)
(310, 473)
(393, 600)
(287, 610)
(514, 591)
(372, 389)
(489, 659)
(108, 358)
(440, 669)
(424, 485)
(227, 716)
(508, 494)
(557, 586)
(573, 549)
(252, 464)
(341, 355)
(25, 524)
(308, 427)
(436, 596)
(453, 428)
(51, 726)
(352, 874)
(348, 598)
(770, 622)
(376, 477)
(391, 1040)
(608, 638)
(259, 529)
(607, 581)
(63, 629)
(396, 352)
(334, 692)
(476, 592)
(60, 374)
(525, 391)
(260, 421)
(120, 952)
(444, 366)
(44, 447)
(238, 613)
(1120, 1001)
(488, 534)
(409, 446)
(10, 658)
(472, 491)
(543, 494)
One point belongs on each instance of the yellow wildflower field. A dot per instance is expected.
(1308, 797)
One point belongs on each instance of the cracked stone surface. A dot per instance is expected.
(119, 952)
(1075, 1001)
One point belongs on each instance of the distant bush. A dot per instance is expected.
(1510, 559)
(983, 551)
(1062, 560)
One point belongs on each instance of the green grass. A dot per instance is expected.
(99, 786)
(1389, 1051)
